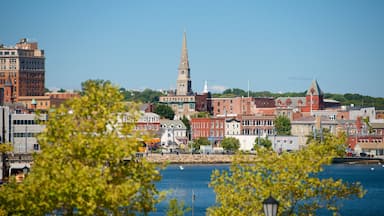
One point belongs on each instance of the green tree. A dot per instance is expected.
(176, 208)
(291, 178)
(61, 90)
(265, 142)
(87, 165)
(283, 125)
(164, 111)
(230, 144)
(199, 142)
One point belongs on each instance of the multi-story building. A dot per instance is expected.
(313, 100)
(260, 125)
(20, 129)
(149, 122)
(305, 126)
(212, 128)
(183, 101)
(232, 127)
(230, 107)
(22, 71)
(173, 134)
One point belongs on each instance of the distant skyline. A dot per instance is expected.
(278, 45)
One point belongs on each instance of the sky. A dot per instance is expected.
(274, 45)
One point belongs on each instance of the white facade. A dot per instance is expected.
(284, 143)
(173, 133)
(246, 141)
(232, 127)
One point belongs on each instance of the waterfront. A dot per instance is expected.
(196, 178)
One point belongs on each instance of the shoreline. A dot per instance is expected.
(188, 158)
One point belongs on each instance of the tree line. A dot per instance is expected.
(152, 96)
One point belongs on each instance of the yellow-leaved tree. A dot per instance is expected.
(87, 164)
(291, 178)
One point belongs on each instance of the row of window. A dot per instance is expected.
(24, 134)
(27, 122)
(257, 122)
(7, 53)
(258, 131)
(208, 125)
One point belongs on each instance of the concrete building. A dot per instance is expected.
(310, 124)
(22, 71)
(183, 101)
(20, 129)
(284, 143)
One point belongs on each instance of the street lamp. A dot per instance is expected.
(270, 206)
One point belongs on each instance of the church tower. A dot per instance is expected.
(184, 83)
(314, 98)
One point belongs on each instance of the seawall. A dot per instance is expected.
(188, 158)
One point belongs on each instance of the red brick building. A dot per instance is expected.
(242, 106)
(212, 128)
(22, 71)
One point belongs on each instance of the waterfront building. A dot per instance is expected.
(284, 143)
(212, 128)
(232, 127)
(311, 125)
(173, 134)
(260, 125)
(22, 71)
(148, 122)
(183, 101)
(372, 145)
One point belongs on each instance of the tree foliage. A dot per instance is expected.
(265, 142)
(87, 165)
(230, 144)
(176, 208)
(199, 142)
(145, 96)
(164, 111)
(291, 178)
(283, 125)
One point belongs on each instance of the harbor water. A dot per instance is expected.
(183, 182)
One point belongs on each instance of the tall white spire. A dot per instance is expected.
(205, 90)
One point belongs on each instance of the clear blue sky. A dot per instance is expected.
(276, 45)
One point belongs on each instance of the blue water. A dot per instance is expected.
(181, 183)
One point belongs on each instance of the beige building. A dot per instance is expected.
(22, 71)
(307, 125)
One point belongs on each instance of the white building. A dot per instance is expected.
(232, 127)
(173, 134)
(284, 143)
(21, 130)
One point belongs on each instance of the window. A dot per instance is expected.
(36, 147)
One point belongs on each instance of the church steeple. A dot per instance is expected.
(184, 83)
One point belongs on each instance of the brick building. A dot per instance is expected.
(212, 128)
(22, 71)
(242, 106)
